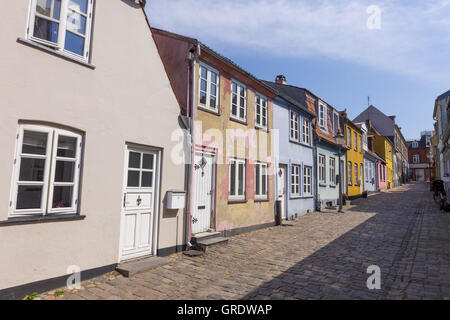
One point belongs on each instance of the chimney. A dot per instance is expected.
(280, 79)
(393, 118)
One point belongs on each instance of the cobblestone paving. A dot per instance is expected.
(320, 256)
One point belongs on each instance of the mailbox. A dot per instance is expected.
(176, 199)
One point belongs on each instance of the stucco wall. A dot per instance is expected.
(114, 104)
(355, 157)
(328, 191)
(291, 153)
(229, 216)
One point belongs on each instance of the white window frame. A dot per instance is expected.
(323, 113)
(355, 138)
(48, 184)
(263, 175)
(416, 158)
(264, 111)
(235, 180)
(294, 125)
(332, 171)
(295, 180)
(59, 45)
(209, 71)
(349, 173)
(307, 181)
(238, 105)
(415, 144)
(356, 174)
(349, 137)
(306, 131)
(322, 169)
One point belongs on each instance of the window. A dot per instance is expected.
(355, 141)
(356, 174)
(349, 172)
(237, 179)
(140, 170)
(361, 172)
(336, 123)
(349, 137)
(64, 25)
(295, 180)
(306, 132)
(416, 158)
(209, 84)
(261, 111)
(294, 126)
(46, 172)
(322, 168)
(307, 189)
(415, 144)
(238, 101)
(322, 115)
(333, 171)
(360, 144)
(261, 181)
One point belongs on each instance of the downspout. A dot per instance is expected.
(316, 180)
(193, 58)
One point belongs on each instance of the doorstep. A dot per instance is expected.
(131, 268)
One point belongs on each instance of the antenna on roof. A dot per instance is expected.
(368, 101)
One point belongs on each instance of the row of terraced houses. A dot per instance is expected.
(122, 141)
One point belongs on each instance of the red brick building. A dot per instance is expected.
(418, 156)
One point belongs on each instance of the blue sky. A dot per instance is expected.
(327, 47)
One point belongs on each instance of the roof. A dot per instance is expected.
(291, 95)
(439, 98)
(383, 123)
(301, 96)
(215, 54)
(373, 155)
(422, 142)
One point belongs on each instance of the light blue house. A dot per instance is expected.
(294, 156)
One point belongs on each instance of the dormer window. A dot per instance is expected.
(64, 25)
(322, 115)
(415, 144)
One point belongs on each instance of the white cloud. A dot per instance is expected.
(414, 39)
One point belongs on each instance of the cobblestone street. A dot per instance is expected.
(318, 256)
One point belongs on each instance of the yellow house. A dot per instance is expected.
(384, 147)
(354, 158)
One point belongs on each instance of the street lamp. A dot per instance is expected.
(340, 140)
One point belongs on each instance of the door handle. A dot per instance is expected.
(124, 199)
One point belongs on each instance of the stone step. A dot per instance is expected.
(131, 268)
(205, 235)
(203, 244)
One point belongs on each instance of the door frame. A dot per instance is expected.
(213, 152)
(156, 196)
(286, 168)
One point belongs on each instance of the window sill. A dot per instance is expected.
(240, 121)
(54, 52)
(237, 201)
(301, 197)
(205, 109)
(262, 129)
(333, 186)
(324, 185)
(262, 200)
(14, 221)
(300, 143)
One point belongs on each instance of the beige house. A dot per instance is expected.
(86, 118)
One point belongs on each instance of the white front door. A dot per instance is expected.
(282, 190)
(138, 204)
(204, 186)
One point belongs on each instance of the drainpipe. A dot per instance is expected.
(316, 175)
(193, 58)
